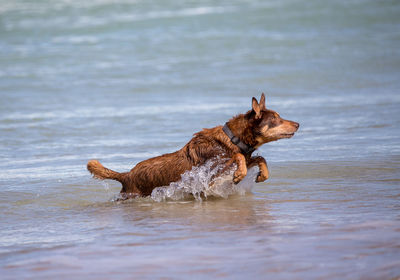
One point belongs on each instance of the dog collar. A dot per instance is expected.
(246, 149)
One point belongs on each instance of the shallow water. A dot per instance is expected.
(123, 81)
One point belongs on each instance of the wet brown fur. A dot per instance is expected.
(256, 127)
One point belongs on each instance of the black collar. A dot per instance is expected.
(246, 149)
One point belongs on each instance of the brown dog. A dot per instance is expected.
(232, 143)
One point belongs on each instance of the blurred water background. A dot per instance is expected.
(122, 81)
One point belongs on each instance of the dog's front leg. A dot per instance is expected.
(241, 170)
(263, 167)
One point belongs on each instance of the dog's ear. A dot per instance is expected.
(256, 107)
(262, 102)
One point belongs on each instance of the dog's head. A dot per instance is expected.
(267, 125)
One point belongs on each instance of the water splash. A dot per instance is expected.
(199, 182)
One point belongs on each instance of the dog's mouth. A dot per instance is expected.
(286, 135)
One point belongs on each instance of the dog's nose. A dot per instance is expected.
(297, 125)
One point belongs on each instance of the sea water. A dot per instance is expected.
(122, 81)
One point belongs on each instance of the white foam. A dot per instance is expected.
(199, 183)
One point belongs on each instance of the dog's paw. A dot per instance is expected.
(238, 176)
(261, 177)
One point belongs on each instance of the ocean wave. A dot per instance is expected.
(65, 21)
(48, 172)
(197, 11)
(27, 161)
(76, 39)
(121, 112)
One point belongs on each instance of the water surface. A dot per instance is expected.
(122, 81)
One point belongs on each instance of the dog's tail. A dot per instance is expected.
(100, 172)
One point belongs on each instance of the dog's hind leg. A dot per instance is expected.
(263, 167)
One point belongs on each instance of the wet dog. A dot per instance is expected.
(231, 144)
